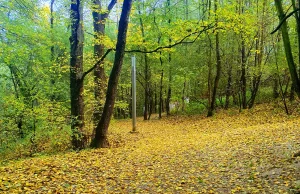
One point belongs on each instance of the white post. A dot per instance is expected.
(133, 85)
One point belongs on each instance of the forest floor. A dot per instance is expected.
(248, 152)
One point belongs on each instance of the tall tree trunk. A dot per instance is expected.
(99, 19)
(161, 88)
(100, 139)
(297, 16)
(147, 88)
(228, 87)
(183, 95)
(287, 47)
(52, 80)
(146, 72)
(218, 73)
(243, 77)
(76, 71)
(169, 94)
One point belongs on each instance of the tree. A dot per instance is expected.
(218, 73)
(100, 139)
(99, 19)
(287, 46)
(76, 72)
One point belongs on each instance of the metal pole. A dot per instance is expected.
(133, 82)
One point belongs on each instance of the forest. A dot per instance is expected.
(217, 96)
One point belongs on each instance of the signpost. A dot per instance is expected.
(133, 85)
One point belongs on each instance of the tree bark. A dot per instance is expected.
(100, 139)
(161, 88)
(228, 87)
(76, 71)
(169, 94)
(218, 73)
(99, 19)
(287, 48)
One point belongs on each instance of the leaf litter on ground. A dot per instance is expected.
(248, 152)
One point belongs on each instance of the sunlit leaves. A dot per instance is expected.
(226, 154)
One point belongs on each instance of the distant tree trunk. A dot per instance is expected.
(243, 77)
(17, 84)
(209, 77)
(183, 96)
(76, 71)
(275, 87)
(228, 87)
(99, 19)
(287, 47)
(100, 139)
(52, 81)
(169, 94)
(146, 72)
(258, 58)
(218, 73)
(155, 99)
(147, 88)
(161, 88)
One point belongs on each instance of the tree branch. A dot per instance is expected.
(283, 20)
(182, 41)
(111, 5)
(97, 63)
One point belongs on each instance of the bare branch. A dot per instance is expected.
(111, 5)
(283, 20)
(97, 63)
(182, 41)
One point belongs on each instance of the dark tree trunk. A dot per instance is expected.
(161, 88)
(76, 71)
(287, 47)
(99, 19)
(218, 73)
(169, 94)
(183, 96)
(100, 139)
(243, 77)
(147, 89)
(228, 87)
(155, 99)
(52, 81)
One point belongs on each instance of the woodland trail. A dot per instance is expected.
(248, 152)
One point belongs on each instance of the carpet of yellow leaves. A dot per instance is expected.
(250, 152)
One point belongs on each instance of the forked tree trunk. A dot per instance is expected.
(99, 19)
(100, 139)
